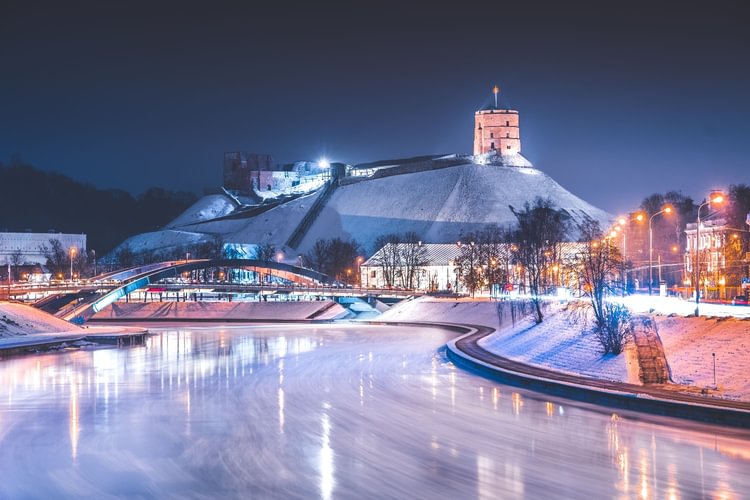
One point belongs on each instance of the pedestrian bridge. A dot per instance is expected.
(121, 283)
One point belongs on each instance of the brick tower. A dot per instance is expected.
(496, 129)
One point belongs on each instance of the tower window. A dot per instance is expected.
(507, 135)
(492, 145)
(507, 123)
(492, 135)
(507, 147)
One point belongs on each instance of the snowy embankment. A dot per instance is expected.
(689, 343)
(20, 319)
(556, 344)
(559, 344)
(221, 311)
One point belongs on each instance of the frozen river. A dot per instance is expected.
(332, 411)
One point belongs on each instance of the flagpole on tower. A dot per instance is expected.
(495, 90)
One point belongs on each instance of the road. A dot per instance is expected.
(332, 411)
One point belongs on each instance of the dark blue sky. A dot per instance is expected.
(615, 102)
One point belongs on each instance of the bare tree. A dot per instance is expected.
(413, 259)
(336, 258)
(125, 257)
(469, 265)
(317, 257)
(494, 256)
(388, 257)
(56, 257)
(541, 228)
(16, 259)
(343, 256)
(598, 266)
(211, 249)
(265, 252)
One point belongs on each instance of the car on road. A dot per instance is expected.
(740, 300)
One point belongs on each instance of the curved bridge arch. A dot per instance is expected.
(139, 277)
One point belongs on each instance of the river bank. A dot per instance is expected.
(561, 344)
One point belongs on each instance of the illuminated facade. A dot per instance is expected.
(497, 129)
(722, 261)
(29, 247)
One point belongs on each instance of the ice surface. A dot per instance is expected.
(334, 412)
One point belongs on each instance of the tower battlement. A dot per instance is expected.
(497, 129)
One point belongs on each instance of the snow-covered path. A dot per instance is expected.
(341, 411)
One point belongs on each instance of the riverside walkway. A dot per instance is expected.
(662, 399)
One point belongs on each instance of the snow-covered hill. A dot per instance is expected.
(441, 205)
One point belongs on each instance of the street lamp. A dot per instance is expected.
(667, 209)
(359, 271)
(72, 254)
(623, 223)
(715, 197)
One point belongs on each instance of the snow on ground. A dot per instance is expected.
(440, 205)
(560, 345)
(207, 208)
(556, 344)
(689, 343)
(158, 240)
(673, 305)
(444, 311)
(20, 319)
(274, 226)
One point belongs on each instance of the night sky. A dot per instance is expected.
(615, 103)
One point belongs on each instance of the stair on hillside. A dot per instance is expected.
(307, 221)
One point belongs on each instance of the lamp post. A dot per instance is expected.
(359, 271)
(667, 209)
(72, 254)
(715, 197)
(624, 224)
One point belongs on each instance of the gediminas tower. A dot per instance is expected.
(496, 129)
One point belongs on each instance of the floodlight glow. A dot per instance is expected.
(323, 163)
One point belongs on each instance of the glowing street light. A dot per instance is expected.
(666, 210)
(717, 198)
(324, 163)
(72, 254)
(360, 259)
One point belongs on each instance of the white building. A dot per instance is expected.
(30, 245)
(440, 271)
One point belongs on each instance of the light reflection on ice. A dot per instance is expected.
(339, 412)
(326, 466)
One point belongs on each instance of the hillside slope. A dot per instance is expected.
(441, 205)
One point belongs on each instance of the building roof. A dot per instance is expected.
(437, 254)
(500, 107)
(443, 254)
